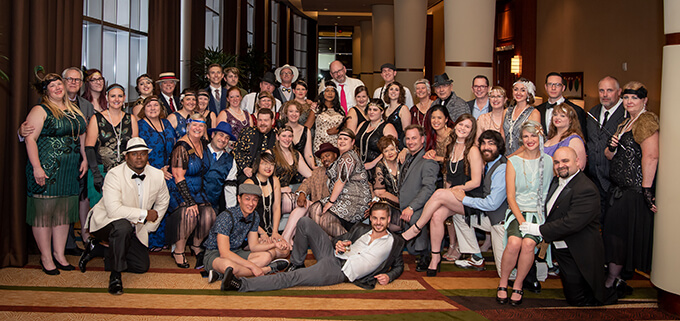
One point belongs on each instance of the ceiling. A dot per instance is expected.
(342, 12)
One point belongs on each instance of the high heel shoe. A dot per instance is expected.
(410, 233)
(515, 303)
(184, 264)
(67, 267)
(499, 299)
(431, 272)
(54, 271)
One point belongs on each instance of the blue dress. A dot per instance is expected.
(181, 128)
(161, 146)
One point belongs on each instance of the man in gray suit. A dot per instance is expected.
(602, 123)
(416, 185)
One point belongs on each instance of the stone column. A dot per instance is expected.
(665, 261)
(383, 41)
(409, 40)
(367, 52)
(185, 46)
(356, 51)
(469, 33)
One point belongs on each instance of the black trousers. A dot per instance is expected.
(577, 290)
(125, 252)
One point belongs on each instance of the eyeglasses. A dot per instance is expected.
(496, 97)
(75, 80)
(286, 72)
(479, 86)
(96, 80)
(554, 84)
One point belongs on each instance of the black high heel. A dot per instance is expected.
(68, 267)
(431, 272)
(184, 264)
(499, 299)
(55, 271)
(515, 303)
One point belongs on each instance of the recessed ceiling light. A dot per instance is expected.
(325, 9)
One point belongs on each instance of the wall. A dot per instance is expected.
(438, 59)
(597, 37)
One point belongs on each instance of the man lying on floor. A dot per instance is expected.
(364, 256)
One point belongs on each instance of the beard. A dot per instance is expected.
(488, 155)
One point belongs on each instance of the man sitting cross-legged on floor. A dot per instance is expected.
(364, 256)
(236, 228)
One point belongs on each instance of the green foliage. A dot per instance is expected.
(253, 66)
(207, 57)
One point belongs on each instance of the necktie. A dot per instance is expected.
(604, 121)
(407, 164)
(172, 104)
(343, 100)
(141, 177)
(215, 155)
(217, 95)
(486, 168)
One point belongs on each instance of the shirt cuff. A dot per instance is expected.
(142, 216)
(466, 201)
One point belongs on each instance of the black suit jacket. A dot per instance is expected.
(598, 164)
(393, 266)
(471, 104)
(579, 111)
(166, 104)
(575, 219)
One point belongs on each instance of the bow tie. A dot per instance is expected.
(285, 90)
(141, 177)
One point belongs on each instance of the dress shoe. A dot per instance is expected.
(515, 303)
(67, 267)
(54, 271)
(423, 263)
(74, 251)
(294, 267)
(278, 265)
(230, 282)
(499, 299)
(199, 260)
(85, 257)
(622, 288)
(116, 285)
(532, 286)
(214, 276)
(433, 272)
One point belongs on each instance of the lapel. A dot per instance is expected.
(616, 118)
(223, 100)
(132, 185)
(553, 187)
(146, 184)
(565, 191)
(413, 163)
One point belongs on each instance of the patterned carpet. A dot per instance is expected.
(169, 293)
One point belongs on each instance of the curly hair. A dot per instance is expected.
(402, 93)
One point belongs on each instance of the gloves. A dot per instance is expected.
(97, 178)
(649, 196)
(530, 228)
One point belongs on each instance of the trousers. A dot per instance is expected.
(125, 252)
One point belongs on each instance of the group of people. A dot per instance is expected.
(246, 181)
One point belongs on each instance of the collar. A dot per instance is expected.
(485, 106)
(420, 150)
(212, 150)
(239, 213)
(167, 98)
(491, 163)
(129, 171)
(214, 88)
(558, 101)
(565, 181)
(613, 109)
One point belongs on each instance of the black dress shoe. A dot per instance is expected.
(116, 285)
(295, 267)
(622, 288)
(199, 260)
(423, 263)
(74, 251)
(499, 299)
(55, 271)
(85, 257)
(67, 267)
(532, 286)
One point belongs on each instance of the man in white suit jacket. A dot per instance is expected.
(134, 200)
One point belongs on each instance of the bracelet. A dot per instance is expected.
(332, 202)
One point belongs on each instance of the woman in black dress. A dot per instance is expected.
(397, 112)
(628, 227)
(370, 132)
(302, 136)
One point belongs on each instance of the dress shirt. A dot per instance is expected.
(217, 153)
(140, 194)
(287, 92)
(610, 110)
(497, 195)
(365, 256)
(351, 85)
(214, 91)
(248, 103)
(549, 110)
(562, 182)
(476, 111)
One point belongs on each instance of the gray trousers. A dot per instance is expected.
(326, 271)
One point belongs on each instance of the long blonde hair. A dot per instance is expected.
(278, 152)
(45, 100)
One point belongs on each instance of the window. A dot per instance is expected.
(250, 23)
(213, 9)
(115, 40)
(300, 44)
(275, 31)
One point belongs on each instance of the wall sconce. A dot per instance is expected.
(516, 65)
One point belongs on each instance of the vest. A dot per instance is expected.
(499, 214)
(214, 179)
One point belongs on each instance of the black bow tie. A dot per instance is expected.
(286, 90)
(142, 176)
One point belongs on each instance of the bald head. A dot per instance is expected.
(609, 91)
(565, 162)
(338, 71)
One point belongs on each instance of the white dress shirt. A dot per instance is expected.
(365, 256)
(549, 111)
(140, 193)
(611, 111)
(561, 183)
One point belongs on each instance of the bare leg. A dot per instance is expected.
(441, 198)
(614, 271)
(526, 259)
(43, 237)
(59, 236)
(258, 258)
(437, 233)
(487, 242)
(293, 218)
(508, 261)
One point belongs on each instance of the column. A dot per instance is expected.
(409, 41)
(665, 261)
(469, 33)
(185, 45)
(367, 52)
(356, 51)
(383, 40)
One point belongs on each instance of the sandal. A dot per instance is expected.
(184, 264)
(515, 303)
(452, 254)
(498, 298)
